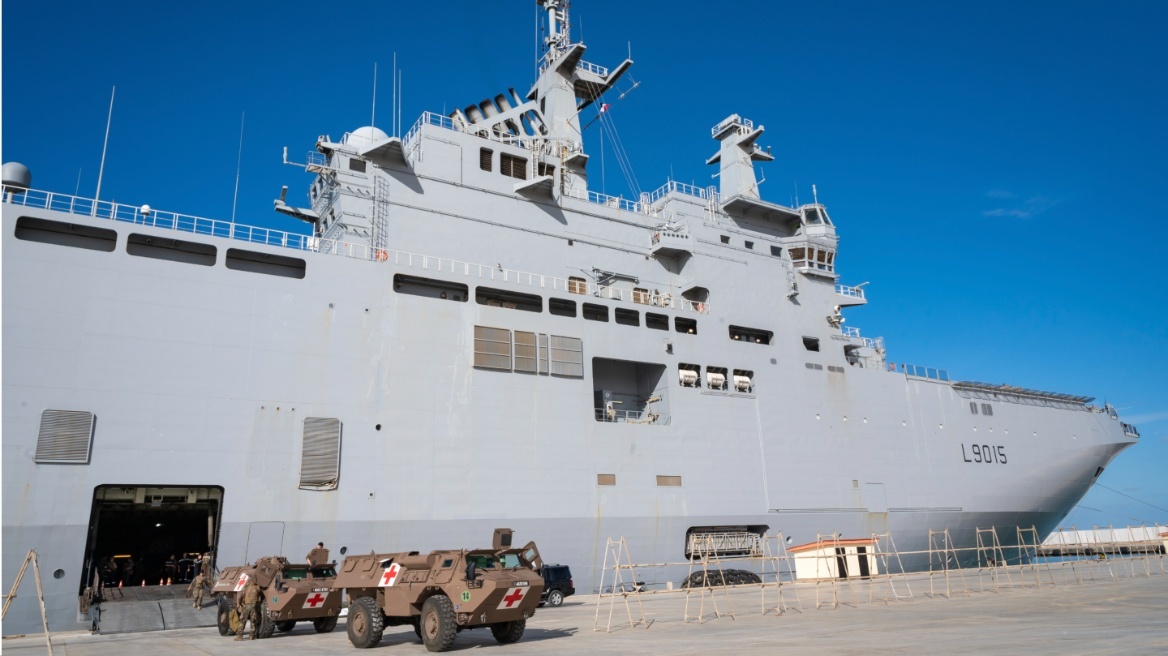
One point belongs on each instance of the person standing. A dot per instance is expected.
(248, 610)
(197, 588)
(170, 568)
(318, 556)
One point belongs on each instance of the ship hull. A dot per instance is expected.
(201, 376)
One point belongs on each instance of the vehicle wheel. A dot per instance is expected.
(266, 626)
(438, 627)
(508, 632)
(555, 598)
(285, 626)
(324, 624)
(365, 623)
(223, 618)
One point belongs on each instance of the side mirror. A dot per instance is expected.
(344, 550)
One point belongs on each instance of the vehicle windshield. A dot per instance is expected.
(481, 561)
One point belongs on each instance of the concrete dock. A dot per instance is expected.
(1103, 616)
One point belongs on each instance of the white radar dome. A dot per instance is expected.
(16, 174)
(362, 137)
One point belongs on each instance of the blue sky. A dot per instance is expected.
(996, 170)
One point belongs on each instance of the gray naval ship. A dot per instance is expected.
(472, 338)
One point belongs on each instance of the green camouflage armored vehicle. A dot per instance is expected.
(288, 593)
(443, 592)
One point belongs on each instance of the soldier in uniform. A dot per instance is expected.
(196, 587)
(318, 556)
(249, 610)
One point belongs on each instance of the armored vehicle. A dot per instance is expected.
(443, 593)
(288, 593)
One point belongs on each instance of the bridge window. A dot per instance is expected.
(357, 165)
(688, 326)
(656, 321)
(811, 343)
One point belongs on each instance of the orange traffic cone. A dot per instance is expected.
(160, 581)
(143, 583)
(119, 584)
(168, 581)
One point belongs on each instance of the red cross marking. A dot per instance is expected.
(513, 596)
(315, 600)
(241, 583)
(390, 575)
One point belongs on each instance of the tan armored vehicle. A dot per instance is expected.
(288, 593)
(443, 592)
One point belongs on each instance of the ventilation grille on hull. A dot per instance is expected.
(320, 460)
(65, 437)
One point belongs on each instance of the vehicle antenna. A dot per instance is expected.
(101, 170)
(373, 115)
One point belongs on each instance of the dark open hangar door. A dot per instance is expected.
(140, 527)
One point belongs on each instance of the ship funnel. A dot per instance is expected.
(17, 175)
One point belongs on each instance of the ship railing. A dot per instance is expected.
(645, 416)
(744, 125)
(598, 198)
(850, 292)
(595, 69)
(681, 188)
(147, 216)
(927, 373)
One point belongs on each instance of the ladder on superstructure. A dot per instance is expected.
(380, 241)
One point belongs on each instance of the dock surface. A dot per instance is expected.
(1121, 616)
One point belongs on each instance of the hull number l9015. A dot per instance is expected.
(984, 453)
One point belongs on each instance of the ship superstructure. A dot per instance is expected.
(470, 336)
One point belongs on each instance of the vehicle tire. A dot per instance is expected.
(555, 598)
(417, 622)
(324, 624)
(266, 626)
(223, 616)
(365, 623)
(438, 626)
(508, 632)
(285, 626)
